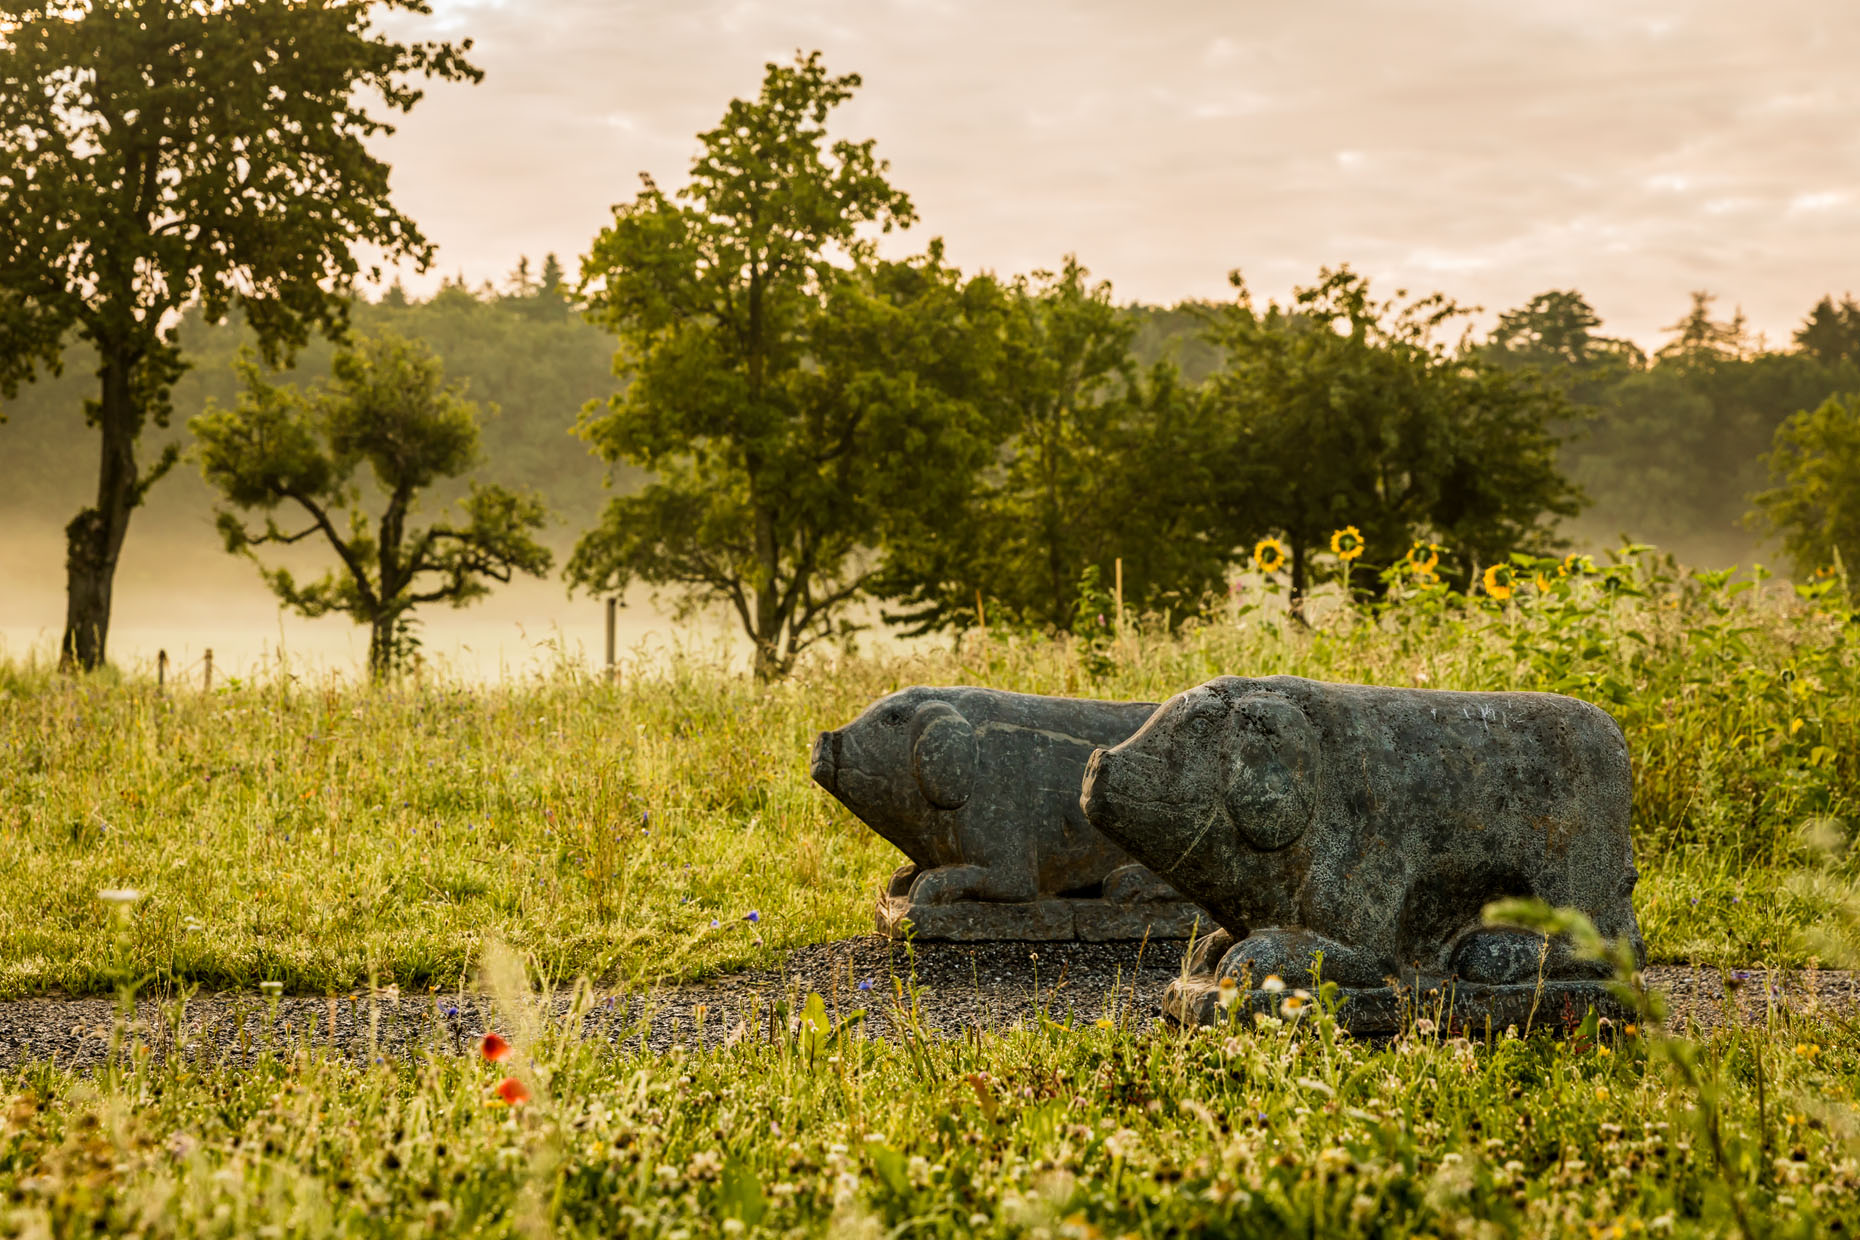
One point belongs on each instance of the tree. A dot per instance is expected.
(797, 400)
(1555, 334)
(1814, 504)
(1097, 462)
(1698, 339)
(1344, 411)
(1831, 333)
(390, 409)
(160, 153)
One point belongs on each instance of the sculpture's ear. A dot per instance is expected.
(943, 754)
(1272, 770)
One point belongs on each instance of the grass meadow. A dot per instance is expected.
(326, 836)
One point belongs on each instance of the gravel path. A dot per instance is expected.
(960, 987)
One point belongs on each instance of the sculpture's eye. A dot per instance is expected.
(894, 719)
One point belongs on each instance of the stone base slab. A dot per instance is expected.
(1041, 921)
(1456, 1007)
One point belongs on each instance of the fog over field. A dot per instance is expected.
(185, 595)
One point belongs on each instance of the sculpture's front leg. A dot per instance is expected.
(949, 883)
(1289, 954)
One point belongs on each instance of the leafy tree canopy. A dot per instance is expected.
(1814, 502)
(798, 401)
(390, 410)
(1348, 411)
(1096, 462)
(156, 154)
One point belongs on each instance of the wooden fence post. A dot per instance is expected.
(613, 624)
(1119, 569)
(206, 671)
(161, 669)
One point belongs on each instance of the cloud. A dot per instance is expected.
(1629, 148)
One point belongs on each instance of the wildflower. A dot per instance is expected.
(1543, 584)
(452, 1010)
(1229, 992)
(1105, 1022)
(1292, 1006)
(1268, 555)
(752, 915)
(713, 923)
(865, 984)
(1807, 1050)
(1576, 565)
(119, 895)
(1498, 581)
(494, 1048)
(512, 1091)
(1425, 1027)
(1422, 559)
(1347, 543)
(1272, 983)
(1601, 1093)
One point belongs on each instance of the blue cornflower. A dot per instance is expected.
(752, 915)
(866, 984)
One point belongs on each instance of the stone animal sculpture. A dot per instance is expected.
(979, 789)
(1373, 825)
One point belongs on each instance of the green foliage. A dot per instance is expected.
(1814, 504)
(390, 410)
(1342, 411)
(119, 217)
(530, 357)
(798, 401)
(1094, 462)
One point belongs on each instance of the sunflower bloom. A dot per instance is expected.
(1347, 543)
(1543, 584)
(1498, 581)
(1422, 559)
(1268, 555)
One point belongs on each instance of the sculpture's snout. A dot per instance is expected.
(826, 761)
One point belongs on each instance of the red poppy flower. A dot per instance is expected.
(513, 1091)
(494, 1048)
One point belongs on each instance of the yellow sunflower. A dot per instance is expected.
(1543, 584)
(1498, 581)
(1423, 558)
(1347, 543)
(1576, 564)
(1268, 555)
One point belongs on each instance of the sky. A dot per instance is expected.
(1491, 149)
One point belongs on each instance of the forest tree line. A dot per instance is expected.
(790, 423)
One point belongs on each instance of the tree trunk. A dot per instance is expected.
(94, 539)
(768, 603)
(381, 647)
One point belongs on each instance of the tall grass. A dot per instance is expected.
(1050, 1131)
(320, 833)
